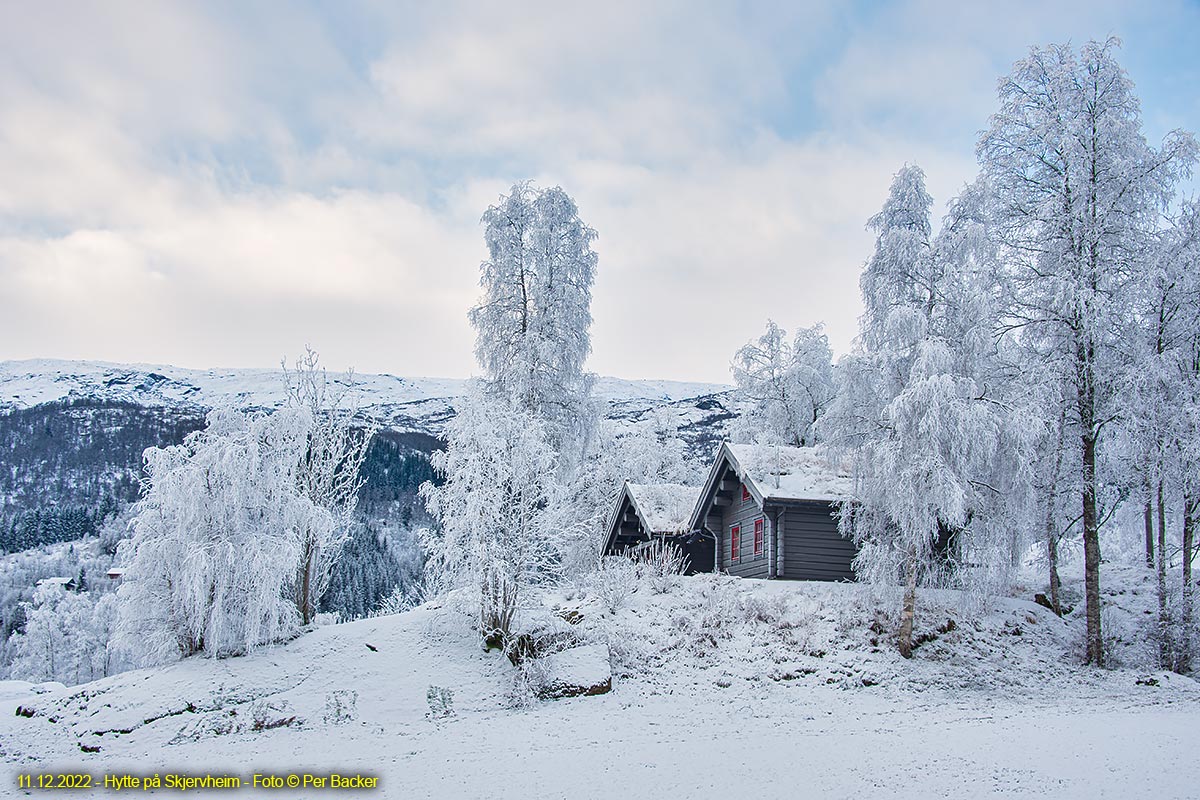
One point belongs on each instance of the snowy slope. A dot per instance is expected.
(723, 688)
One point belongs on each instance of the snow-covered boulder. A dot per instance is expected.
(583, 670)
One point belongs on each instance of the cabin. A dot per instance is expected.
(66, 584)
(647, 513)
(771, 512)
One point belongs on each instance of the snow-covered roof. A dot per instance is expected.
(792, 473)
(779, 473)
(57, 581)
(664, 507)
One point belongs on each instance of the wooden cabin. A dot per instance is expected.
(771, 512)
(66, 584)
(646, 513)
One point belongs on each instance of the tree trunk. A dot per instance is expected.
(1149, 520)
(1164, 616)
(910, 604)
(1052, 557)
(1191, 506)
(1052, 533)
(1091, 537)
(304, 599)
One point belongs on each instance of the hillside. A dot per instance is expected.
(73, 432)
(722, 687)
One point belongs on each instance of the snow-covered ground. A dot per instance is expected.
(722, 687)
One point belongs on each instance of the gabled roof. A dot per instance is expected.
(57, 581)
(778, 473)
(663, 508)
(792, 473)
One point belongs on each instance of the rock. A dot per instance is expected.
(572, 616)
(1043, 601)
(575, 672)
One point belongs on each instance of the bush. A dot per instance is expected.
(614, 581)
(662, 565)
(441, 703)
(341, 706)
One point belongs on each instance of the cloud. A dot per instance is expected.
(219, 184)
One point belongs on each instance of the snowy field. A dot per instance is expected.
(721, 688)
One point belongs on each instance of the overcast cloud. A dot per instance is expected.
(211, 184)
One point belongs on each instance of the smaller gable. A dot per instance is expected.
(644, 510)
(664, 507)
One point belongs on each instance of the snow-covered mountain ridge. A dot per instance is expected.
(73, 432)
(28, 383)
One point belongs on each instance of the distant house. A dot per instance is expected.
(115, 574)
(646, 513)
(67, 584)
(771, 512)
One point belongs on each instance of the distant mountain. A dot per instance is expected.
(418, 404)
(72, 433)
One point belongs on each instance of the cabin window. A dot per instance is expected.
(758, 537)
(745, 492)
(735, 542)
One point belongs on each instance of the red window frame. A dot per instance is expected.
(735, 543)
(745, 492)
(758, 536)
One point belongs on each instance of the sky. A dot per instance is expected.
(219, 184)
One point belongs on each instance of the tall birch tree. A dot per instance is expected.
(789, 384)
(512, 463)
(329, 472)
(936, 450)
(1076, 192)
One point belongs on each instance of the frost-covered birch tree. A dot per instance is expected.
(1077, 190)
(217, 538)
(1161, 437)
(1186, 257)
(790, 384)
(533, 322)
(67, 637)
(509, 508)
(328, 473)
(494, 535)
(934, 448)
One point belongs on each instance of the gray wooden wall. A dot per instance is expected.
(813, 548)
(744, 514)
